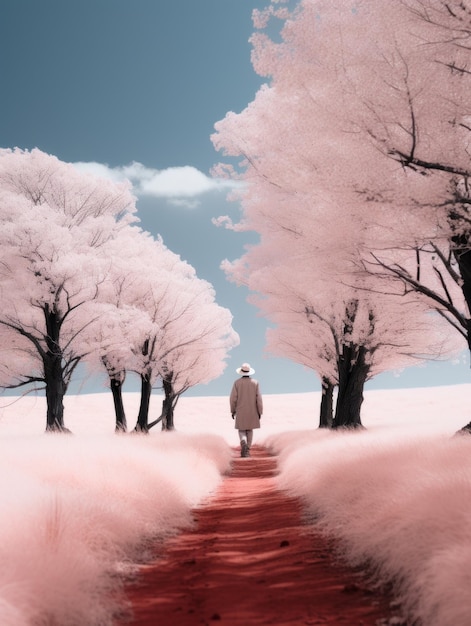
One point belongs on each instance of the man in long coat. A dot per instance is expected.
(246, 406)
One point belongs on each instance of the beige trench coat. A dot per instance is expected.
(246, 402)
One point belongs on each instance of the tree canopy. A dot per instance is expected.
(341, 155)
(79, 281)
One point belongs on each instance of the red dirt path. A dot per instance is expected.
(250, 561)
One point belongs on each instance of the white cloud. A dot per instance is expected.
(98, 169)
(178, 182)
(182, 186)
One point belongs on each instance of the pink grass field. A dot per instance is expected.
(77, 511)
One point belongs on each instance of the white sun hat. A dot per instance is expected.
(245, 370)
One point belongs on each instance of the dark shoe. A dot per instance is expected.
(244, 449)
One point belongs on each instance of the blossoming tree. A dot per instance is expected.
(328, 153)
(161, 323)
(55, 223)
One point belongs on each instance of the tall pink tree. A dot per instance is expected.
(123, 318)
(346, 327)
(321, 148)
(195, 347)
(186, 326)
(162, 323)
(55, 225)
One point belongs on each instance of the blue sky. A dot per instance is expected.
(121, 82)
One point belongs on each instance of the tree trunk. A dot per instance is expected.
(463, 258)
(327, 404)
(56, 386)
(55, 392)
(353, 372)
(168, 404)
(116, 386)
(143, 416)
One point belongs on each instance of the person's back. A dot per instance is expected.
(246, 406)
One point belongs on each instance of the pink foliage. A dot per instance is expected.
(155, 299)
(79, 276)
(355, 89)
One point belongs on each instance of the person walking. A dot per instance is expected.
(246, 406)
